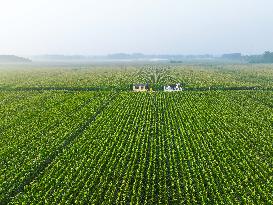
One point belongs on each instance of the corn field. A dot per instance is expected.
(89, 147)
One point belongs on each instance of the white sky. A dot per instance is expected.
(32, 27)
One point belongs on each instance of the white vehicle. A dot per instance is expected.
(174, 87)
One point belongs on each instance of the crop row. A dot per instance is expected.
(162, 148)
(168, 148)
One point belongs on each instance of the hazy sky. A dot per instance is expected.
(149, 26)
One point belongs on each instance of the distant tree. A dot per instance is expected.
(268, 57)
(13, 59)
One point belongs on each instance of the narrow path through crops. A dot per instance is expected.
(59, 150)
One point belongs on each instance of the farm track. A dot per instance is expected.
(59, 150)
(68, 89)
(75, 89)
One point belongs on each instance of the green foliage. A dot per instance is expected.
(146, 148)
(74, 146)
(120, 78)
